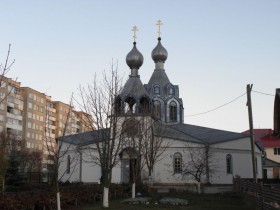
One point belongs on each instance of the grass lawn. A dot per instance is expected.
(226, 201)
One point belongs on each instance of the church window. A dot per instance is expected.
(144, 106)
(131, 128)
(177, 163)
(68, 164)
(171, 91)
(157, 90)
(173, 111)
(229, 163)
(157, 110)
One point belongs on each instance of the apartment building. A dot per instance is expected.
(11, 107)
(33, 116)
(69, 121)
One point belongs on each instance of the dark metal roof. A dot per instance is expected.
(181, 132)
(86, 138)
(206, 135)
(159, 77)
(270, 163)
(133, 87)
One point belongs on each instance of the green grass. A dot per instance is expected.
(226, 201)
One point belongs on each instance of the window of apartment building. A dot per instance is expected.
(40, 137)
(1, 128)
(28, 135)
(2, 95)
(41, 109)
(42, 100)
(2, 106)
(30, 95)
(10, 120)
(276, 151)
(41, 118)
(34, 97)
(29, 115)
(3, 84)
(28, 144)
(29, 125)
(10, 88)
(30, 105)
(2, 117)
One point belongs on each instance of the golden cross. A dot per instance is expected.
(159, 23)
(134, 29)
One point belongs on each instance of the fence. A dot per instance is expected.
(38, 177)
(266, 197)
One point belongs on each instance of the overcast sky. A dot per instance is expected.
(215, 48)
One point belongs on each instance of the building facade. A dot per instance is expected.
(35, 118)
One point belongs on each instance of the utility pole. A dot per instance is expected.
(249, 104)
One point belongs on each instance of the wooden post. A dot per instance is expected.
(249, 104)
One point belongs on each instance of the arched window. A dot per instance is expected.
(157, 110)
(68, 164)
(157, 90)
(177, 161)
(171, 91)
(173, 111)
(131, 128)
(144, 106)
(229, 163)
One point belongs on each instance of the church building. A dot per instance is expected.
(184, 149)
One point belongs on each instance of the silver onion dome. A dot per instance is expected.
(134, 58)
(159, 53)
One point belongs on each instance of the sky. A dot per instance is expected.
(215, 48)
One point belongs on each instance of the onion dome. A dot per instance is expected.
(134, 58)
(159, 53)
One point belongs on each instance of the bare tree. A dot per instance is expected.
(198, 163)
(4, 69)
(154, 143)
(57, 150)
(31, 160)
(97, 100)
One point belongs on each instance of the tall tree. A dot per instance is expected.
(97, 100)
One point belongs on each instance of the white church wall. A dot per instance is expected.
(91, 172)
(241, 164)
(73, 174)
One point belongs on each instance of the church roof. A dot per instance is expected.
(135, 87)
(86, 138)
(181, 132)
(159, 77)
(199, 134)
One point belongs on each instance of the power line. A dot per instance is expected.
(262, 93)
(211, 110)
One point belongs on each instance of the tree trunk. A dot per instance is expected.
(133, 190)
(58, 201)
(198, 188)
(105, 197)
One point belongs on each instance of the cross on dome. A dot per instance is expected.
(134, 29)
(159, 23)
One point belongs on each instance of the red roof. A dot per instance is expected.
(266, 137)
